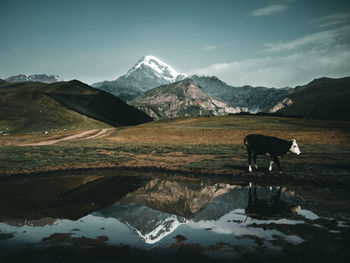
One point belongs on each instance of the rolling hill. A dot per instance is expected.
(37, 107)
(322, 98)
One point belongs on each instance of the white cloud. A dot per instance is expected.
(270, 10)
(318, 39)
(213, 47)
(209, 47)
(333, 19)
(281, 71)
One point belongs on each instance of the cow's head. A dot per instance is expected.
(294, 148)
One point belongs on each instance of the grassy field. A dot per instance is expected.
(206, 145)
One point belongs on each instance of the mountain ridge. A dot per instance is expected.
(43, 78)
(150, 72)
(322, 98)
(183, 98)
(38, 107)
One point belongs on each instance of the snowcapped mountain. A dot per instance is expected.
(149, 72)
(183, 98)
(44, 78)
(154, 68)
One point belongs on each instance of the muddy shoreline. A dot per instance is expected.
(237, 176)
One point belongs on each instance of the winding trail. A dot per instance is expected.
(85, 135)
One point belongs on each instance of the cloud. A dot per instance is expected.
(281, 71)
(213, 47)
(333, 19)
(317, 39)
(209, 47)
(270, 10)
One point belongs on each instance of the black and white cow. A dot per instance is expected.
(271, 146)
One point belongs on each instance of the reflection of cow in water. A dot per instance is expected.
(272, 208)
(271, 146)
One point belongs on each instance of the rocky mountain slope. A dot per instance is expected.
(149, 72)
(250, 99)
(183, 98)
(44, 78)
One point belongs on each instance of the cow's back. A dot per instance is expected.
(262, 144)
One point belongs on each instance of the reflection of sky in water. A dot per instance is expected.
(204, 232)
(121, 228)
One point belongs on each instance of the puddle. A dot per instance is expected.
(161, 216)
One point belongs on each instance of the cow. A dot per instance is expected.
(271, 146)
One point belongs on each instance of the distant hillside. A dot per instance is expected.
(323, 98)
(33, 107)
(44, 78)
(252, 99)
(183, 98)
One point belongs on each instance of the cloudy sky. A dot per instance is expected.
(267, 43)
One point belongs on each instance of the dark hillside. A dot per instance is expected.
(323, 98)
(33, 107)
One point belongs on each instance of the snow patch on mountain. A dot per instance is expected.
(165, 228)
(44, 78)
(163, 70)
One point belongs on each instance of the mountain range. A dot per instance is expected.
(157, 89)
(150, 72)
(248, 98)
(161, 92)
(43, 78)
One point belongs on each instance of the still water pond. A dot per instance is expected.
(148, 218)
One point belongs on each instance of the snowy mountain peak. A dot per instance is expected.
(44, 78)
(154, 65)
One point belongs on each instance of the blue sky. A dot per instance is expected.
(268, 43)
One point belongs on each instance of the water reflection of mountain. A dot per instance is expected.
(151, 225)
(34, 222)
(157, 209)
(184, 198)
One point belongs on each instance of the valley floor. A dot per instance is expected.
(197, 145)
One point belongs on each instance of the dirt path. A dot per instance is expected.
(85, 135)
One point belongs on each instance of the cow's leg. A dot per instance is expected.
(250, 196)
(254, 160)
(249, 158)
(270, 167)
(256, 198)
(277, 198)
(275, 159)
